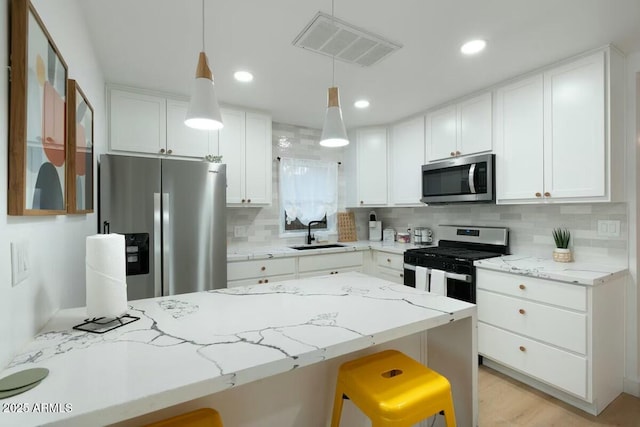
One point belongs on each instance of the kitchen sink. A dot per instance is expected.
(306, 247)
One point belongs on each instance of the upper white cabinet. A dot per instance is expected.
(367, 168)
(145, 123)
(406, 152)
(137, 122)
(245, 146)
(460, 129)
(556, 134)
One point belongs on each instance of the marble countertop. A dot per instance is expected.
(192, 345)
(265, 252)
(572, 272)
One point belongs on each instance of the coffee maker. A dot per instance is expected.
(375, 227)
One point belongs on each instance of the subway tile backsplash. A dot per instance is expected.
(530, 225)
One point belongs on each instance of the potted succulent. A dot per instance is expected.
(562, 253)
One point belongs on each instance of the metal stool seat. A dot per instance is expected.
(392, 389)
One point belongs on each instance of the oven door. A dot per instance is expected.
(465, 179)
(459, 286)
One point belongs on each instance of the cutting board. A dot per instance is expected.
(347, 227)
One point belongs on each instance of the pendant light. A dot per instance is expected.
(334, 133)
(203, 111)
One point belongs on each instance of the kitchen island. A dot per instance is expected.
(261, 355)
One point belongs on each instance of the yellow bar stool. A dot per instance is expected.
(205, 417)
(392, 389)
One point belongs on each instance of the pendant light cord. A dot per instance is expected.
(203, 25)
(333, 57)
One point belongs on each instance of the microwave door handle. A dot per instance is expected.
(472, 178)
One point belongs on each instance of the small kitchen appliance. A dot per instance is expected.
(375, 228)
(422, 236)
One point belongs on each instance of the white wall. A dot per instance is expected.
(632, 383)
(55, 244)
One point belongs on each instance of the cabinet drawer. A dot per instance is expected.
(260, 281)
(330, 261)
(387, 260)
(551, 365)
(547, 291)
(329, 272)
(553, 325)
(260, 268)
(395, 276)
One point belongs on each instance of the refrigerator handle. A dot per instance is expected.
(157, 246)
(166, 245)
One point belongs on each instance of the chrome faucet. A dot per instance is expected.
(311, 238)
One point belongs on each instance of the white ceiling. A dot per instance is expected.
(154, 44)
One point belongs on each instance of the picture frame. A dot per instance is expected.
(80, 151)
(37, 117)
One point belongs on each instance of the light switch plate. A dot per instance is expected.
(608, 228)
(19, 262)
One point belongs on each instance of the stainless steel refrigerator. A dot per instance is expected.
(173, 216)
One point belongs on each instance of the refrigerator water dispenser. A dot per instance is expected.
(137, 253)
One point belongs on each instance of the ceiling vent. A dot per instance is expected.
(333, 37)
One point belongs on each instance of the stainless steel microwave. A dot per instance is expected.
(460, 180)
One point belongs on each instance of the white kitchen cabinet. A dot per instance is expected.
(245, 146)
(183, 140)
(366, 168)
(389, 266)
(137, 122)
(334, 263)
(406, 152)
(142, 122)
(565, 339)
(461, 129)
(256, 272)
(558, 134)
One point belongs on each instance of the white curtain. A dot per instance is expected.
(309, 189)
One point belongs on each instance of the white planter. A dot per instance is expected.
(562, 255)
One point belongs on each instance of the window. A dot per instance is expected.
(308, 192)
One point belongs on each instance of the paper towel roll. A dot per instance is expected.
(106, 276)
(421, 278)
(438, 282)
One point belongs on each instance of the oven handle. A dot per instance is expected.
(454, 276)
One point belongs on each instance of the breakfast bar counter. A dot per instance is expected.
(276, 346)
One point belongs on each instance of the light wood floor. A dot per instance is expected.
(507, 402)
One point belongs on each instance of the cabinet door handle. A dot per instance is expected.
(547, 194)
(248, 200)
(453, 154)
(538, 195)
(170, 151)
(260, 281)
(458, 153)
(401, 274)
(522, 348)
(388, 259)
(266, 280)
(361, 202)
(521, 311)
(242, 200)
(523, 287)
(263, 268)
(162, 150)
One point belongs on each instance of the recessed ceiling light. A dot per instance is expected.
(362, 103)
(473, 47)
(243, 76)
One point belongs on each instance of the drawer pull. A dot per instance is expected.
(547, 194)
(401, 274)
(523, 287)
(266, 280)
(538, 195)
(260, 281)
(388, 259)
(453, 154)
(458, 153)
(263, 268)
(521, 311)
(522, 348)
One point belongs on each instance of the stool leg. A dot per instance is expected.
(449, 413)
(337, 407)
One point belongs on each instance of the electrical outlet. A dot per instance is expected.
(240, 231)
(608, 228)
(19, 262)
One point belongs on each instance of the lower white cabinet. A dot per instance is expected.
(563, 338)
(255, 272)
(389, 266)
(335, 263)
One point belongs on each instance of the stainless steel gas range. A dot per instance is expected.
(459, 246)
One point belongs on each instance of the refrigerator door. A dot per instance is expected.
(130, 204)
(194, 222)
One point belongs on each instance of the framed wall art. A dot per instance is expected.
(37, 117)
(79, 150)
